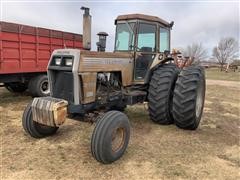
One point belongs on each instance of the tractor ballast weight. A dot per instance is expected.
(141, 69)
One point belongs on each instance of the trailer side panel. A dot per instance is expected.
(27, 49)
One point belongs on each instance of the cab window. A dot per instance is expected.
(124, 36)
(147, 37)
(164, 40)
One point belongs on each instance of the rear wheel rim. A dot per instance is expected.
(199, 101)
(44, 87)
(118, 137)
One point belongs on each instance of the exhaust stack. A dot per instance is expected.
(87, 18)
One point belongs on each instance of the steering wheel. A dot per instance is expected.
(132, 47)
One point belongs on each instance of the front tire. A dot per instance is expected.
(110, 137)
(160, 93)
(188, 99)
(33, 128)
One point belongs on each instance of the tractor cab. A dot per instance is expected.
(145, 36)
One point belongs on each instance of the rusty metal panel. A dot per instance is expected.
(89, 82)
(108, 62)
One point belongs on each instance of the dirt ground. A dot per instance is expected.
(233, 84)
(154, 152)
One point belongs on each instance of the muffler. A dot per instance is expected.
(87, 20)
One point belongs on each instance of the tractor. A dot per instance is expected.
(140, 70)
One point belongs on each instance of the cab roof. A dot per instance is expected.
(143, 17)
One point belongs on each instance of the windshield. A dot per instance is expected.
(147, 37)
(125, 36)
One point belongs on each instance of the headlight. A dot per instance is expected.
(57, 61)
(68, 62)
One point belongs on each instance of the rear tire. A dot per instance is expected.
(110, 137)
(160, 93)
(33, 128)
(16, 87)
(39, 87)
(188, 99)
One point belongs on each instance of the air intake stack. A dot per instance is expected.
(101, 44)
(87, 18)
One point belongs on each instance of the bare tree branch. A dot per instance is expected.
(196, 52)
(227, 49)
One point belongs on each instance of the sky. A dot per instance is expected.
(201, 21)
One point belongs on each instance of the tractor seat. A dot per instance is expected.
(146, 49)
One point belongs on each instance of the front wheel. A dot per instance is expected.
(188, 98)
(33, 128)
(110, 137)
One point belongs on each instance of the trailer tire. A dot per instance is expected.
(16, 87)
(110, 137)
(188, 99)
(160, 93)
(33, 128)
(39, 87)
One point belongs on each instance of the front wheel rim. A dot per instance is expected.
(118, 137)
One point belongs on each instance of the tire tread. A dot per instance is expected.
(184, 98)
(160, 87)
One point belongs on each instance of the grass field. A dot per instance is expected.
(154, 152)
(216, 74)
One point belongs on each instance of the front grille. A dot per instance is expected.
(63, 86)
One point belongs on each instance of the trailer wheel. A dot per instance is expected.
(39, 87)
(160, 93)
(110, 137)
(33, 128)
(188, 99)
(16, 87)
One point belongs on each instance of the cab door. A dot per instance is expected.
(145, 50)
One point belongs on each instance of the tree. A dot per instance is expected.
(226, 50)
(236, 62)
(196, 52)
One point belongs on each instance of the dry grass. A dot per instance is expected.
(154, 152)
(215, 73)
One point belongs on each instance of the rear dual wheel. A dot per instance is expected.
(188, 99)
(177, 98)
(160, 93)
